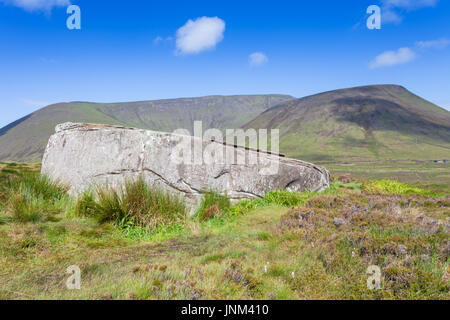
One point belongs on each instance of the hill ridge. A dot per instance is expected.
(26, 138)
(364, 123)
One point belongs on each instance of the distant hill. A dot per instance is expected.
(359, 124)
(25, 139)
(367, 123)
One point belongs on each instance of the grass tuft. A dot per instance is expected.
(25, 208)
(31, 196)
(85, 206)
(136, 205)
(39, 186)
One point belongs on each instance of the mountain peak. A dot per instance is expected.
(368, 123)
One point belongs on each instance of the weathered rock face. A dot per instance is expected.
(89, 155)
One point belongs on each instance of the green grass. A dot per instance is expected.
(136, 205)
(394, 187)
(29, 196)
(39, 186)
(25, 208)
(423, 174)
(212, 258)
(225, 255)
(284, 198)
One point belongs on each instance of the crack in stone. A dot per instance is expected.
(160, 178)
(222, 173)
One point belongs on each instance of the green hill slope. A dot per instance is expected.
(360, 124)
(368, 123)
(25, 139)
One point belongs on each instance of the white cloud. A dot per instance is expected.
(390, 16)
(410, 4)
(199, 35)
(37, 5)
(390, 8)
(392, 58)
(433, 44)
(257, 59)
(405, 55)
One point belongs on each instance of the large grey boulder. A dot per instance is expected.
(89, 155)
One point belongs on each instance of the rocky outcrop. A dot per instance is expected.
(87, 155)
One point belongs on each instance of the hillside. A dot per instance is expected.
(25, 139)
(360, 124)
(371, 123)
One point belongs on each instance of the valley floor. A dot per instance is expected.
(319, 249)
(426, 174)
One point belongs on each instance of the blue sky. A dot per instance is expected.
(142, 50)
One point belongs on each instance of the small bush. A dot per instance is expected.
(213, 204)
(136, 205)
(393, 187)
